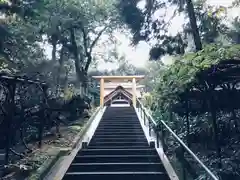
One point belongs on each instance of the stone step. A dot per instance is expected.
(117, 143)
(146, 151)
(118, 139)
(117, 136)
(118, 150)
(118, 133)
(117, 125)
(117, 147)
(116, 167)
(116, 158)
(116, 175)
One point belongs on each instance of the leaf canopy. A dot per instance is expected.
(194, 69)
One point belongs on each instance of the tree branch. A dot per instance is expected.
(84, 40)
(89, 53)
(97, 38)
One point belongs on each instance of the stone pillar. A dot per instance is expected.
(102, 92)
(134, 93)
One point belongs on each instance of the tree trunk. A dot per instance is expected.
(89, 60)
(79, 69)
(54, 44)
(187, 122)
(215, 129)
(60, 67)
(193, 23)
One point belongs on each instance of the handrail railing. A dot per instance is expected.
(146, 116)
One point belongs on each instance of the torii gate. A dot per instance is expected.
(118, 80)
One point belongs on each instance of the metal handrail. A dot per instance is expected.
(180, 141)
(147, 113)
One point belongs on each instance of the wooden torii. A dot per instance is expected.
(120, 80)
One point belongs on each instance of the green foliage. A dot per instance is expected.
(21, 46)
(189, 82)
(69, 30)
(147, 99)
(182, 75)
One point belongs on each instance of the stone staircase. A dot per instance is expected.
(117, 150)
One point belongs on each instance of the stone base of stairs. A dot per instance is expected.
(119, 149)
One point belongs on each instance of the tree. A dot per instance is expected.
(192, 97)
(72, 28)
(123, 67)
(77, 26)
(234, 31)
(210, 20)
(193, 24)
(21, 7)
(146, 27)
(153, 71)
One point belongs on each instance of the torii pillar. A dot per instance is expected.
(102, 92)
(119, 79)
(134, 92)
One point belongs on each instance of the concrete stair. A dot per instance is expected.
(117, 150)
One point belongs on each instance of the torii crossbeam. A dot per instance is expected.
(109, 83)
